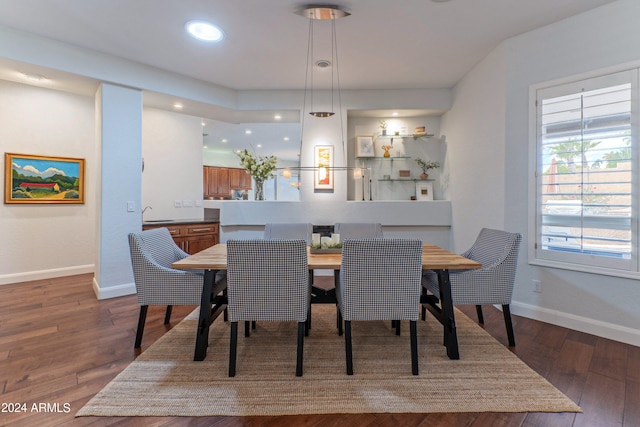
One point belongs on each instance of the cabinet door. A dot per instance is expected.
(245, 180)
(205, 181)
(234, 178)
(210, 181)
(200, 236)
(195, 244)
(223, 182)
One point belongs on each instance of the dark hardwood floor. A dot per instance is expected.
(60, 346)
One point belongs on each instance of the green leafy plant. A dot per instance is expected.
(261, 168)
(426, 165)
(383, 124)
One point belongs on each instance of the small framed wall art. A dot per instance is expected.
(43, 179)
(323, 167)
(364, 146)
(424, 190)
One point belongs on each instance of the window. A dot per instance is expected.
(586, 173)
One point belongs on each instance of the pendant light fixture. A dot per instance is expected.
(322, 13)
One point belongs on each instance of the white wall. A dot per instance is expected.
(473, 173)
(601, 38)
(119, 134)
(488, 161)
(41, 241)
(172, 152)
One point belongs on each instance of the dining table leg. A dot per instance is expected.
(204, 321)
(448, 317)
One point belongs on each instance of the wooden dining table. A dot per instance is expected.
(214, 259)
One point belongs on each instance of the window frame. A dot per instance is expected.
(559, 259)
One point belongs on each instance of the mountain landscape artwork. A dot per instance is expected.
(43, 179)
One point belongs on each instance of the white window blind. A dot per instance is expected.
(586, 167)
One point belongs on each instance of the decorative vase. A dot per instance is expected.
(259, 191)
(424, 175)
(386, 153)
(384, 132)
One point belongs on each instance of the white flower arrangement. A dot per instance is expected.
(260, 167)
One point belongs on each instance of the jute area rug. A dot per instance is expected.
(165, 381)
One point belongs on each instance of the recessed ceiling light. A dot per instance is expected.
(395, 113)
(248, 131)
(277, 117)
(177, 106)
(259, 145)
(225, 140)
(286, 138)
(203, 30)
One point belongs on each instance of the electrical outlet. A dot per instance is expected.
(177, 203)
(537, 286)
(187, 203)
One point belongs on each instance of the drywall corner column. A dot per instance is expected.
(119, 127)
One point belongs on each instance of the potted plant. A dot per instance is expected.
(425, 166)
(383, 127)
(260, 168)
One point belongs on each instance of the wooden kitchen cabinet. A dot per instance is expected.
(239, 179)
(191, 237)
(206, 179)
(218, 182)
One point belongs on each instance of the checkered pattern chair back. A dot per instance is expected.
(292, 230)
(497, 251)
(152, 253)
(380, 279)
(358, 230)
(493, 246)
(267, 280)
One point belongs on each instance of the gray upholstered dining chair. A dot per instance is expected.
(380, 280)
(268, 280)
(358, 230)
(152, 253)
(497, 251)
(291, 230)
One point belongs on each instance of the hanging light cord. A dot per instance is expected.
(335, 48)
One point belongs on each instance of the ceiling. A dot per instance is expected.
(407, 44)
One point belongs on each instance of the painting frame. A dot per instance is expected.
(42, 179)
(323, 167)
(365, 146)
(424, 191)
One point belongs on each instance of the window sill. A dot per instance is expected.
(586, 269)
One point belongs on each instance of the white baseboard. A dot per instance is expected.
(113, 291)
(578, 323)
(28, 276)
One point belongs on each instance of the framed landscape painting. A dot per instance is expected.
(323, 167)
(43, 179)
